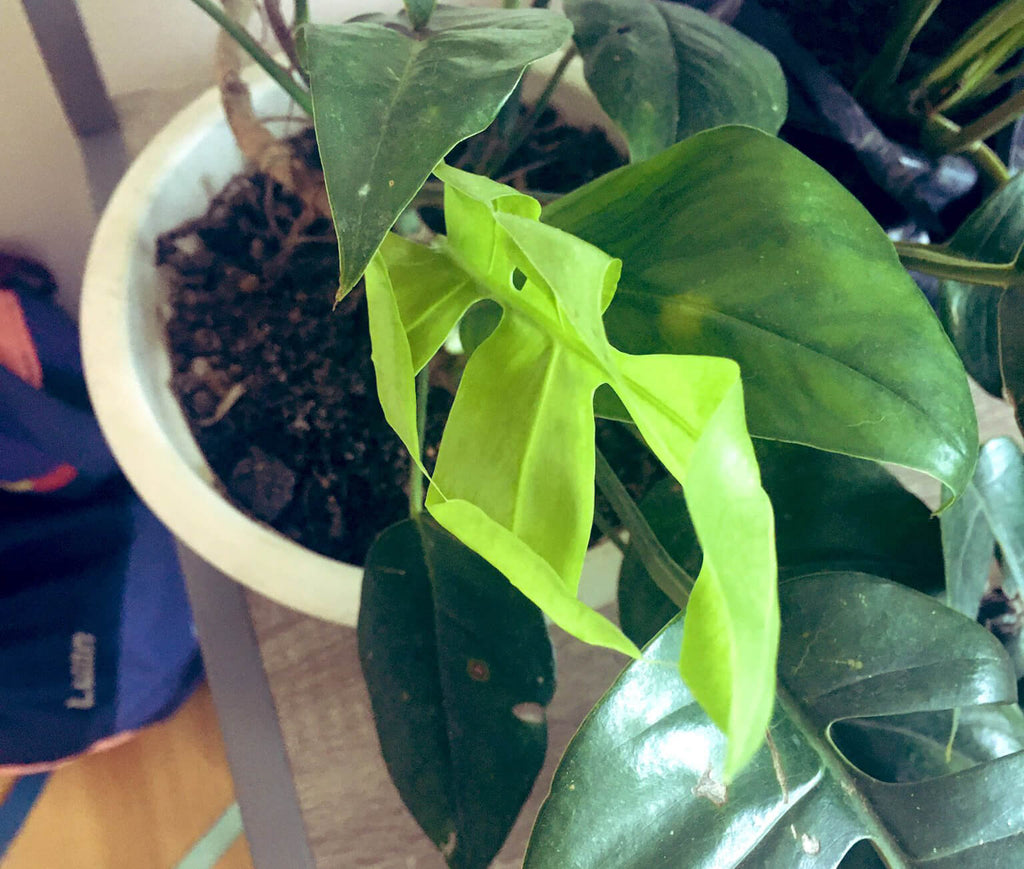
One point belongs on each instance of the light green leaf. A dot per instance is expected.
(515, 470)
(388, 104)
(664, 71)
(734, 244)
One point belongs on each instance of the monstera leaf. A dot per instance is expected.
(867, 669)
(459, 669)
(514, 477)
(734, 244)
(664, 71)
(389, 103)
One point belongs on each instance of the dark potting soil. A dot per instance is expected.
(278, 387)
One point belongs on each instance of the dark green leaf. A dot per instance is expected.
(734, 244)
(990, 511)
(419, 11)
(638, 786)
(993, 233)
(388, 104)
(665, 71)
(1011, 350)
(832, 512)
(459, 668)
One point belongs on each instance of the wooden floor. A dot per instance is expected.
(141, 805)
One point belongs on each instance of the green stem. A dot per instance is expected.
(415, 475)
(939, 131)
(675, 582)
(888, 63)
(526, 125)
(609, 531)
(259, 54)
(1001, 116)
(933, 260)
(301, 12)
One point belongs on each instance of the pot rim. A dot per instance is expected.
(182, 492)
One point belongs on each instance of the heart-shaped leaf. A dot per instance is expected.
(664, 71)
(734, 244)
(389, 103)
(969, 312)
(419, 11)
(459, 668)
(639, 785)
(514, 477)
(831, 512)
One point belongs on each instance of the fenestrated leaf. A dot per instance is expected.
(664, 71)
(389, 103)
(459, 666)
(734, 244)
(969, 312)
(990, 511)
(832, 512)
(638, 786)
(515, 469)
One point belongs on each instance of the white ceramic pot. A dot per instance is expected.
(128, 370)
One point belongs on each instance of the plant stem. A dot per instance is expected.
(301, 13)
(415, 475)
(934, 260)
(939, 131)
(675, 582)
(526, 125)
(283, 35)
(888, 63)
(609, 531)
(259, 54)
(1002, 115)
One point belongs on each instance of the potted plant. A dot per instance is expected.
(642, 296)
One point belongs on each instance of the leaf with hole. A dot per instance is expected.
(389, 103)
(734, 244)
(854, 648)
(664, 71)
(459, 669)
(514, 477)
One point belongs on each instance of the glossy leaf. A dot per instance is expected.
(459, 669)
(853, 647)
(514, 477)
(1011, 350)
(969, 312)
(990, 512)
(832, 512)
(734, 244)
(664, 71)
(389, 103)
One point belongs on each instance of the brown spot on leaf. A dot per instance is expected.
(478, 670)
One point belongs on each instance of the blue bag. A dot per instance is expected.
(96, 633)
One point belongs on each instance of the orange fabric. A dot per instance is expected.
(17, 349)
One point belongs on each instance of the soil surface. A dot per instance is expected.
(279, 389)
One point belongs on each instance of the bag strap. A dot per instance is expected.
(16, 806)
(214, 844)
